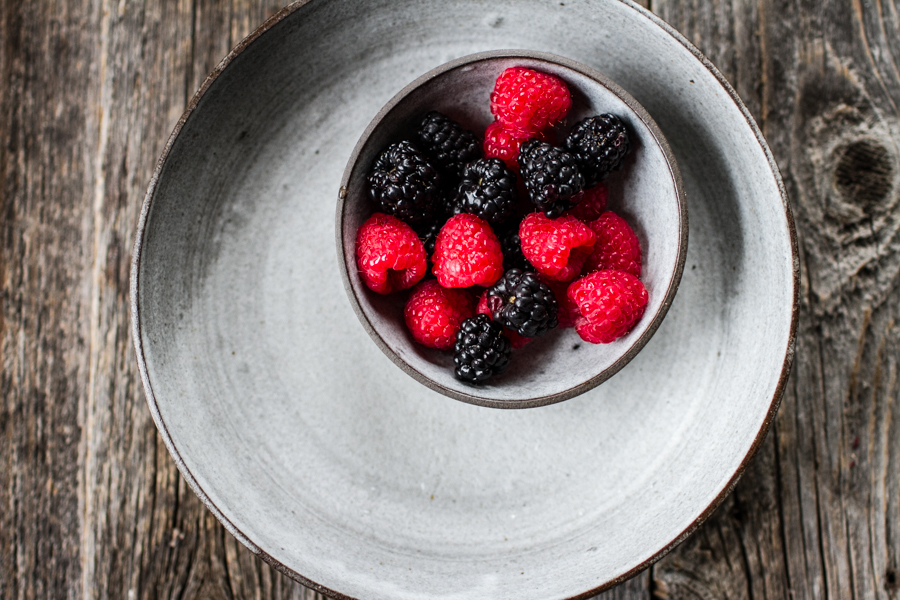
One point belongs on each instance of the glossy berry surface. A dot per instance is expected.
(599, 145)
(481, 350)
(467, 253)
(557, 248)
(590, 203)
(523, 303)
(617, 246)
(488, 190)
(434, 314)
(515, 339)
(389, 254)
(447, 145)
(609, 303)
(403, 183)
(504, 144)
(527, 101)
(551, 177)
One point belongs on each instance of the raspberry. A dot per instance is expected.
(481, 349)
(467, 253)
(434, 314)
(389, 254)
(515, 339)
(609, 304)
(522, 302)
(404, 184)
(487, 189)
(447, 144)
(599, 144)
(590, 203)
(556, 247)
(504, 144)
(617, 246)
(551, 177)
(567, 309)
(526, 101)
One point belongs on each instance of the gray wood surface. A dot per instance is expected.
(91, 505)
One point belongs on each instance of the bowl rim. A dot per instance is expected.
(675, 272)
(193, 483)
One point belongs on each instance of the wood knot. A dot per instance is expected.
(864, 173)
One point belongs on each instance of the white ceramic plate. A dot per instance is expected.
(320, 454)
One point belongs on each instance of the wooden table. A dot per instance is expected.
(91, 505)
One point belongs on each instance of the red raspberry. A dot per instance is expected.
(590, 203)
(556, 247)
(528, 102)
(434, 314)
(504, 144)
(467, 253)
(567, 309)
(517, 341)
(609, 303)
(389, 254)
(617, 246)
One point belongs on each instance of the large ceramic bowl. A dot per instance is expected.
(647, 192)
(316, 451)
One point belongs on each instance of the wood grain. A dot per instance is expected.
(91, 505)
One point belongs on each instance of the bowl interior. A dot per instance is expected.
(646, 192)
(311, 446)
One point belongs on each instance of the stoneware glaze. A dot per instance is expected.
(320, 454)
(647, 192)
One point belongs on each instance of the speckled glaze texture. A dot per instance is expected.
(648, 192)
(331, 464)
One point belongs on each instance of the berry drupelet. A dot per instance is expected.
(551, 177)
(599, 145)
(447, 144)
(487, 189)
(523, 303)
(481, 349)
(404, 184)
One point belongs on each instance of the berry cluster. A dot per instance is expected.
(451, 205)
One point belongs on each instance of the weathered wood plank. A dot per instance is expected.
(44, 342)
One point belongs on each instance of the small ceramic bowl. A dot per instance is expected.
(647, 192)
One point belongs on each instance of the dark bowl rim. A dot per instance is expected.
(134, 303)
(346, 263)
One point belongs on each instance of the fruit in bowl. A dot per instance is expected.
(443, 182)
(522, 176)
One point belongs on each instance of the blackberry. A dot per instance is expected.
(447, 144)
(551, 177)
(511, 246)
(481, 349)
(523, 303)
(599, 145)
(427, 232)
(404, 184)
(487, 190)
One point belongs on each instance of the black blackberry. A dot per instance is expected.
(522, 302)
(427, 232)
(447, 144)
(511, 246)
(481, 349)
(551, 177)
(599, 145)
(487, 189)
(404, 184)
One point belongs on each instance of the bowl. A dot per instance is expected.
(647, 192)
(305, 440)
